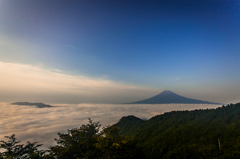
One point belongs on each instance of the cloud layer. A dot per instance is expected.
(42, 125)
(21, 82)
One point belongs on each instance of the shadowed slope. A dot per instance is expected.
(167, 97)
(192, 134)
(128, 122)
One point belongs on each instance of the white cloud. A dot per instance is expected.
(26, 82)
(42, 124)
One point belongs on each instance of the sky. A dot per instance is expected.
(91, 51)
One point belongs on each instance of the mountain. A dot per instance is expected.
(167, 97)
(38, 105)
(128, 122)
(196, 134)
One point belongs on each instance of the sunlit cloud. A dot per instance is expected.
(33, 83)
(43, 124)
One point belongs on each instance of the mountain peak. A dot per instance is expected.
(168, 97)
(167, 92)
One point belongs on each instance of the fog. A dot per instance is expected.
(30, 123)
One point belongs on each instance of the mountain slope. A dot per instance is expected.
(167, 97)
(127, 123)
(210, 133)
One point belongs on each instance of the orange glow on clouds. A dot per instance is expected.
(26, 82)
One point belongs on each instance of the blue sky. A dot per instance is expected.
(189, 47)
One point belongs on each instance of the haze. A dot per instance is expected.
(88, 57)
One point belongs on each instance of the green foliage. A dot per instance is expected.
(211, 133)
(128, 124)
(87, 142)
(114, 146)
(77, 142)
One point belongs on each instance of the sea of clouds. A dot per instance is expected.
(33, 124)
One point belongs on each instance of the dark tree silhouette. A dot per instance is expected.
(13, 150)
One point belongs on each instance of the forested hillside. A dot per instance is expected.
(194, 134)
(128, 124)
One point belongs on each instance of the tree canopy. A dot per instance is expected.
(85, 142)
(210, 133)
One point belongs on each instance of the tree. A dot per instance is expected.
(13, 150)
(87, 142)
(77, 142)
(115, 146)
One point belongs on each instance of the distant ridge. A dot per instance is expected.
(38, 105)
(168, 97)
